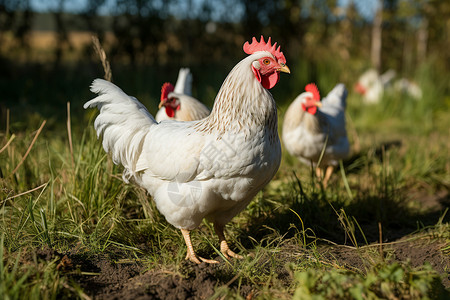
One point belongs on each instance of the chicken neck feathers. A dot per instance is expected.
(190, 108)
(242, 104)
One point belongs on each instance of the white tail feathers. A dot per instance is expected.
(337, 96)
(184, 82)
(124, 123)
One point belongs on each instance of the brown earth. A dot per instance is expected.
(101, 277)
(416, 251)
(105, 277)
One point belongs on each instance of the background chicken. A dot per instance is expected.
(209, 168)
(311, 127)
(177, 102)
(372, 86)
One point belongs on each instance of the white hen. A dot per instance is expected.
(371, 85)
(309, 131)
(209, 168)
(177, 102)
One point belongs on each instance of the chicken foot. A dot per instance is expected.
(224, 248)
(328, 172)
(190, 250)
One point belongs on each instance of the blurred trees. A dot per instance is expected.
(16, 18)
(62, 39)
(401, 35)
(376, 41)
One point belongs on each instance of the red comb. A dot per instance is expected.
(166, 89)
(263, 46)
(312, 88)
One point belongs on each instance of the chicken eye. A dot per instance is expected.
(266, 61)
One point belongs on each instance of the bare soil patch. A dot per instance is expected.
(102, 277)
(116, 276)
(415, 251)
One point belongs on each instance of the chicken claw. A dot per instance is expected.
(224, 248)
(190, 250)
(226, 251)
(198, 260)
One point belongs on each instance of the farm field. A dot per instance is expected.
(71, 228)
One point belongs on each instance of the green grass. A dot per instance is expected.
(63, 199)
(382, 281)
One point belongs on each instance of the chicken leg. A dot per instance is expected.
(224, 248)
(328, 173)
(319, 173)
(324, 179)
(190, 250)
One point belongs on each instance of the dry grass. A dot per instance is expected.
(102, 55)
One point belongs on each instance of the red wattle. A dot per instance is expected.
(311, 109)
(269, 81)
(169, 111)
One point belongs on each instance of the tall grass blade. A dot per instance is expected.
(69, 133)
(344, 179)
(29, 148)
(45, 227)
(9, 142)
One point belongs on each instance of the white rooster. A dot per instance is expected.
(177, 102)
(209, 168)
(312, 127)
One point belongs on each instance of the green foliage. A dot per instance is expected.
(387, 281)
(38, 280)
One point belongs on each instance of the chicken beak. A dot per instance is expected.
(318, 104)
(284, 69)
(161, 104)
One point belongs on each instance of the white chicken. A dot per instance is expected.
(209, 168)
(177, 102)
(314, 131)
(373, 86)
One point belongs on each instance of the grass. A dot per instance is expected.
(382, 281)
(61, 194)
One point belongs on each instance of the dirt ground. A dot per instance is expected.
(104, 277)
